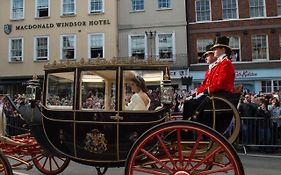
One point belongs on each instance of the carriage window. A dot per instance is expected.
(60, 90)
(152, 80)
(98, 90)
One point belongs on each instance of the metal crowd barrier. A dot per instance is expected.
(260, 133)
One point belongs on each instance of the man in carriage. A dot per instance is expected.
(218, 78)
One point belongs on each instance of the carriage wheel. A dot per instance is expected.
(5, 167)
(49, 164)
(182, 148)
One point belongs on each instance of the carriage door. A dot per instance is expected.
(95, 127)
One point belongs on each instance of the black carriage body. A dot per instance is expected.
(99, 138)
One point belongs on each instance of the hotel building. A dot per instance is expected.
(35, 32)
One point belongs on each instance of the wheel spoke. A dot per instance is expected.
(50, 162)
(156, 160)
(150, 171)
(179, 147)
(56, 162)
(44, 164)
(40, 158)
(221, 170)
(166, 150)
(194, 150)
(62, 159)
(206, 158)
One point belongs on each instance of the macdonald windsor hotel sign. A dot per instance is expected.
(100, 22)
(63, 24)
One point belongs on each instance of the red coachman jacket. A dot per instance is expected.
(220, 78)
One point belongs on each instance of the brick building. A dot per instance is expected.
(254, 29)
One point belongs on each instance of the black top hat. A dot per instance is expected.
(222, 41)
(208, 51)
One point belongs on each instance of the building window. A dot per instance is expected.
(234, 43)
(201, 48)
(270, 86)
(16, 50)
(17, 9)
(41, 52)
(96, 6)
(279, 7)
(259, 47)
(164, 4)
(266, 86)
(68, 7)
(42, 8)
(165, 46)
(96, 45)
(137, 5)
(68, 50)
(138, 46)
(203, 10)
(229, 9)
(276, 85)
(257, 8)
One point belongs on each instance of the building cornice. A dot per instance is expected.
(236, 20)
(159, 25)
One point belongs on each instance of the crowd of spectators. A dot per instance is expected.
(261, 118)
(260, 114)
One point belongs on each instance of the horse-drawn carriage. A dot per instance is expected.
(83, 116)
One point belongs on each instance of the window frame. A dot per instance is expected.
(61, 46)
(68, 14)
(173, 44)
(95, 12)
(237, 11)
(80, 73)
(11, 11)
(22, 51)
(211, 41)
(164, 8)
(210, 13)
(267, 48)
(239, 43)
(89, 44)
(36, 10)
(130, 45)
(35, 58)
(46, 89)
(264, 10)
(139, 10)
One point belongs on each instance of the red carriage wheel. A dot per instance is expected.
(49, 164)
(5, 167)
(182, 148)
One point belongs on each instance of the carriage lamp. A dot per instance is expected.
(33, 89)
(167, 91)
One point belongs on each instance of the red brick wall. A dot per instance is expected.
(271, 7)
(216, 8)
(245, 41)
(242, 28)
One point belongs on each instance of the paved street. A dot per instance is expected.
(252, 165)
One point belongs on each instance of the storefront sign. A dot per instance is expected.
(177, 74)
(246, 74)
(63, 24)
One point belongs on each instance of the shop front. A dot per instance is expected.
(253, 80)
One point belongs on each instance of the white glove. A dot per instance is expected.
(199, 95)
(189, 98)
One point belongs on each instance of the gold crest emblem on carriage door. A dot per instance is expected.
(95, 142)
